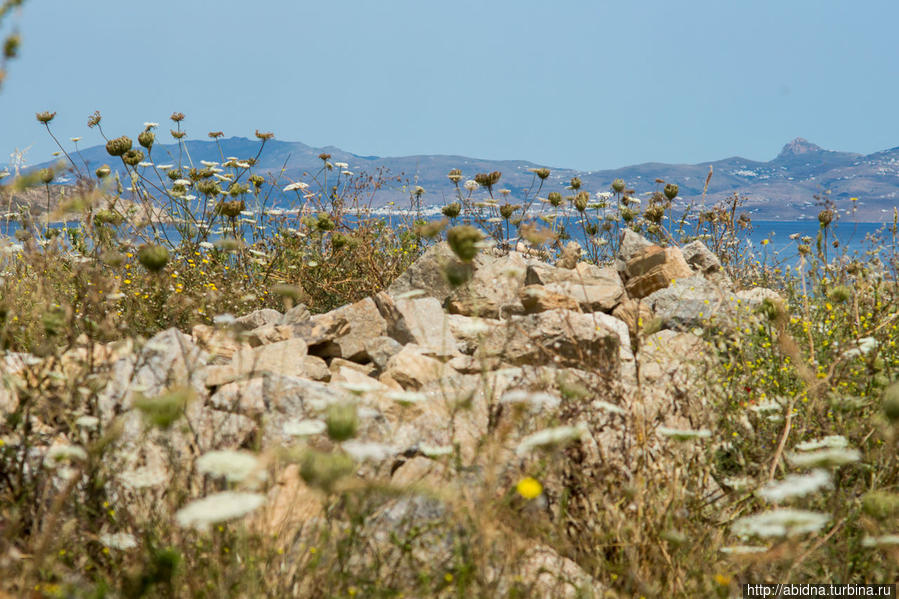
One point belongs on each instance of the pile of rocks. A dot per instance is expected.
(435, 369)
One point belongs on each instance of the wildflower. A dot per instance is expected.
(529, 488)
(64, 453)
(359, 388)
(118, 540)
(795, 485)
(89, 422)
(435, 451)
(45, 117)
(780, 523)
(118, 146)
(206, 245)
(304, 428)
(216, 508)
(535, 401)
(341, 165)
(559, 435)
(472, 185)
(363, 451)
(75, 139)
(462, 240)
(407, 398)
(825, 442)
(183, 182)
(823, 458)
(235, 466)
(609, 407)
(151, 125)
(881, 541)
(683, 434)
(153, 257)
(618, 185)
(208, 163)
(298, 185)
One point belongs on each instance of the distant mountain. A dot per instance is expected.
(780, 189)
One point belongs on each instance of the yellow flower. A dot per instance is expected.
(529, 488)
(722, 579)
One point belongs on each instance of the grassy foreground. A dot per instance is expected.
(820, 368)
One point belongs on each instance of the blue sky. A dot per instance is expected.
(581, 84)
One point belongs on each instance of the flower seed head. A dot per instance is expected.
(575, 183)
(45, 117)
(132, 157)
(455, 175)
(103, 171)
(146, 139)
(153, 257)
(177, 117)
(118, 146)
(618, 185)
(671, 191)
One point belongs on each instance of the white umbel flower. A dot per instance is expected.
(825, 458)
(780, 523)
(472, 185)
(118, 540)
(235, 466)
(559, 435)
(823, 443)
(683, 434)
(299, 185)
(363, 451)
(220, 507)
(304, 428)
(795, 485)
(64, 453)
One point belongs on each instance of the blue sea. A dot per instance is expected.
(854, 238)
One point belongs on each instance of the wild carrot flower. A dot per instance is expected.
(220, 507)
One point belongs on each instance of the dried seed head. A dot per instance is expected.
(46, 176)
(177, 134)
(45, 117)
(463, 240)
(132, 157)
(103, 171)
(215, 134)
(618, 185)
(146, 139)
(825, 217)
(264, 136)
(118, 146)
(671, 191)
(455, 175)
(542, 173)
(555, 198)
(452, 210)
(153, 257)
(177, 117)
(575, 183)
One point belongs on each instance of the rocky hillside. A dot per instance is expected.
(780, 189)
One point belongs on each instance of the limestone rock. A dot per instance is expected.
(284, 358)
(470, 330)
(654, 269)
(418, 320)
(258, 318)
(632, 312)
(426, 274)
(537, 298)
(702, 260)
(570, 255)
(295, 315)
(316, 368)
(363, 321)
(559, 337)
(270, 333)
(381, 349)
(493, 289)
(411, 368)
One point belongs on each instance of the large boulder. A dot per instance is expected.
(285, 358)
(560, 337)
